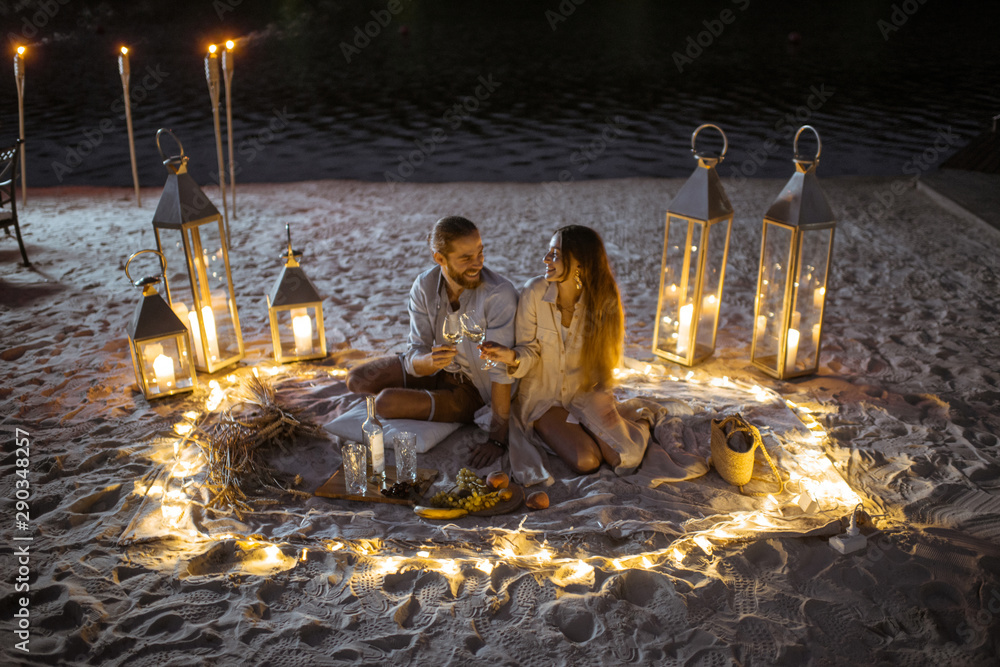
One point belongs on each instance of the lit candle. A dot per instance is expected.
(761, 325)
(208, 317)
(816, 328)
(199, 351)
(818, 295)
(793, 348)
(684, 331)
(302, 328)
(163, 369)
(152, 351)
(710, 307)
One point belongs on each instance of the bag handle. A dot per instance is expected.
(743, 426)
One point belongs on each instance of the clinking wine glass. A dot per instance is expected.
(452, 332)
(475, 330)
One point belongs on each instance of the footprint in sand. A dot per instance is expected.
(101, 501)
(574, 620)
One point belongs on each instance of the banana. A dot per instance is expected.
(439, 512)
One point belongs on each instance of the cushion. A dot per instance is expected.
(348, 427)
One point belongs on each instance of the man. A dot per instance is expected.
(413, 385)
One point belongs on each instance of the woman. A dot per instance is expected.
(570, 333)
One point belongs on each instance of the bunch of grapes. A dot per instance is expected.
(399, 490)
(469, 480)
(470, 493)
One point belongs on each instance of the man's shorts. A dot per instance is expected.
(454, 398)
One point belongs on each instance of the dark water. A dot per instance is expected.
(599, 96)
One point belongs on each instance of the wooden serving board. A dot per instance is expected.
(336, 487)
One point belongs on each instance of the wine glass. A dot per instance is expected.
(473, 328)
(452, 332)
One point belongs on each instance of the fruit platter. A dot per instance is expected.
(472, 495)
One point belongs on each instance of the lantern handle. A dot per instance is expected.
(152, 279)
(725, 141)
(174, 137)
(819, 142)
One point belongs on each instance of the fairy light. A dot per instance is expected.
(812, 471)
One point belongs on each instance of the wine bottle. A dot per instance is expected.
(372, 430)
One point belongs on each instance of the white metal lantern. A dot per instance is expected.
(295, 309)
(795, 257)
(190, 235)
(695, 246)
(159, 341)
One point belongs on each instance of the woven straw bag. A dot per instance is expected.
(734, 465)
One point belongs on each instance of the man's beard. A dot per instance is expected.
(464, 281)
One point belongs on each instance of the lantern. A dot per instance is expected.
(794, 267)
(190, 234)
(695, 245)
(159, 341)
(296, 312)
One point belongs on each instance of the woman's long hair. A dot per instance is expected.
(604, 320)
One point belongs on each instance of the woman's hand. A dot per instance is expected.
(496, 352)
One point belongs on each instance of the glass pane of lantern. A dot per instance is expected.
(808, 297)
(171, 244)
(216, 302)
(298, 331)
(771, 298)
(716, 236)
(679, 273)
(166, 365)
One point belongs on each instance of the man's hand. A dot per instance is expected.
(435, 360)
(484, 454)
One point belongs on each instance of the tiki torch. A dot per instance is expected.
(228, 67)
(125, 71)
(212, 76)
(19, 78)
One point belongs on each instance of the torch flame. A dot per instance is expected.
(124, 50)
(212, 48)
(230, 44)
(21, 50)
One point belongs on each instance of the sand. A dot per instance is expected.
(901, 416)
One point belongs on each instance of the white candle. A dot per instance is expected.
(208, 317)
(684, 330)
(710, 308)
(793, 348)
(761, 325)
(199, 352)
(302, 328)
(796, 319)
(163, 369)
(816, 328)
(818, 295)
(151, 352)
